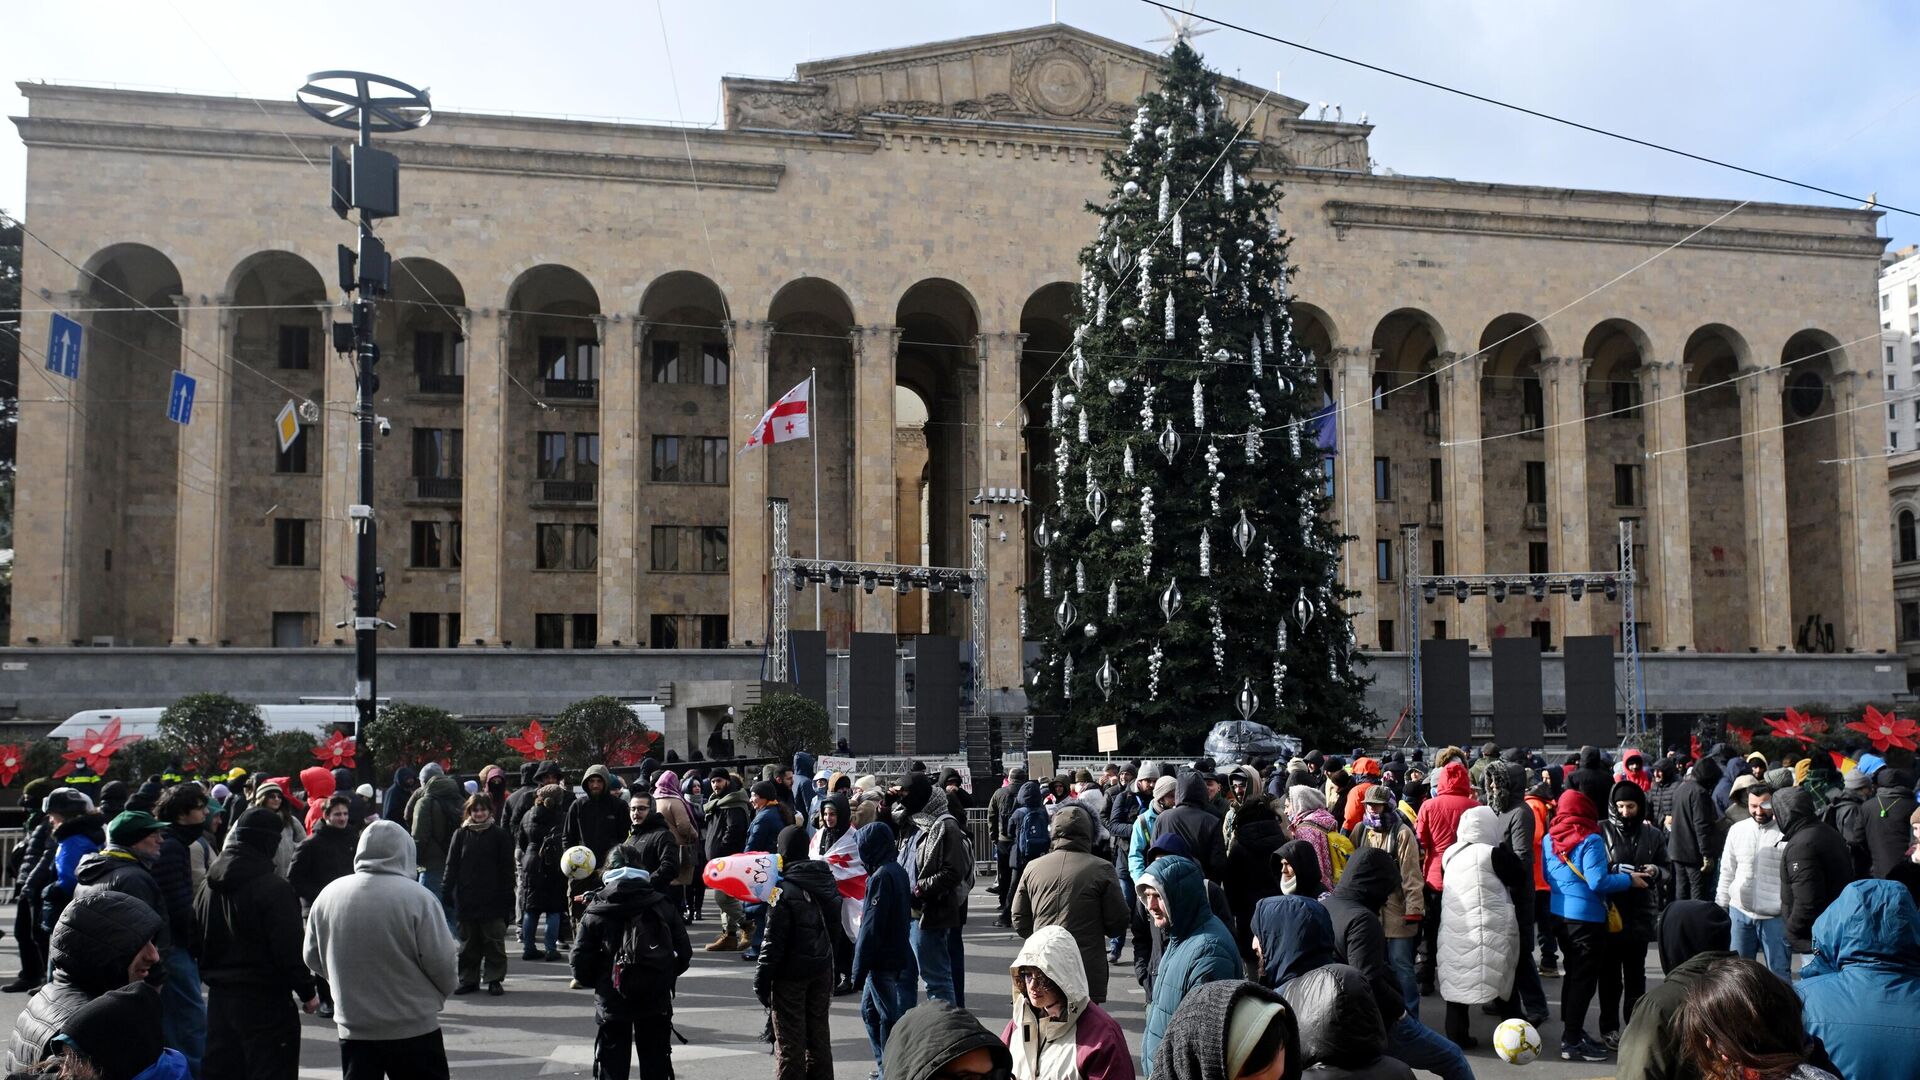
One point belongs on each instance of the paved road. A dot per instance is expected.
(541, 1028)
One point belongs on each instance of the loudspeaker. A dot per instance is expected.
(807, 660)
(1519, 717)
(1446, 700)
(1593, 711)
(936, 694)
(873, 713)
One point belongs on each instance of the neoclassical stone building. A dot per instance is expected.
(588, 317)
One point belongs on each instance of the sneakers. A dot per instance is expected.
(324, 1012)
(723, 943)
(1549, 968)
(530, 954)
(494, 989)
(466, 988)
(1002, 921)
(1611, 1038)
(22, 985)
(1584, 1050)
(750, 955)
(551, 955)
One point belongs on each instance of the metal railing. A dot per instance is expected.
(566, 491)
(437, 487)
(433, 382)
(570, 389)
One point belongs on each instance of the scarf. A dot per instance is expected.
(1574, 820)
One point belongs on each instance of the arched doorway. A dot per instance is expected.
(1616, 458)
(1716, 512)
(1808, 409)
(939, 360)
(1513, 459)
(812, 320)
(1407, 477)
(551, 445)
(125, 494)
(278, 521)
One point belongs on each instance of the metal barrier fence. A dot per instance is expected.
(980, 832)
(9, 840)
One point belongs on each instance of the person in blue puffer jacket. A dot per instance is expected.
(1200, 948)
(1861, 990)
(1142, 840)
(1580, 879)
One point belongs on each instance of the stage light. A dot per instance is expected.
(1499, 592)
(903, 584)
(1431, 590)
(869, 579)
(834, 577)
(1538, 587)
(1577, 588)
(799, 579)
(1460, 591)
(1611, 589)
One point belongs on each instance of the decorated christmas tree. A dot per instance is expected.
(1189, 573)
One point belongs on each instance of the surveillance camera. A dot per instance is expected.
(385, 425)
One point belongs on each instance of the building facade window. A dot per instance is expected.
(1626, 485)
(569, 359)
(1436, 491)
(1382, 479)
(1439, 557)
(437, 453)
(1909, 537)
(705, 363)
(551, 463)
(1386, 635)
(663, 631)
(1328, 474)
(293, 460)
(294, 350)
(1383, 560)
(586, 630)
(423, 630)
(586, 547)
(549, 630)
(689, 460)
(1537, 557)
(435, 545)
(1910, 620)
(1536, 481)
(289, 541)
(549, 546)
(689, 549)
(1542, 631)
(290, 629)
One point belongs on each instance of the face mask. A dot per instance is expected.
(1287, 885)
(1371, 820)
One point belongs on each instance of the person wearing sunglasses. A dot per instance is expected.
(1057, 1031)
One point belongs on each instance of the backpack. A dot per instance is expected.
(1339, 847)
(644, 966)
(553, 848)
(1031, 837)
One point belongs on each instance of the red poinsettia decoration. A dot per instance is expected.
(96, 750)
(337, 752)
(532, 742)
(11, 761)
(1798, 725)
(632, 749)
(1744, 735)
(1883, 729)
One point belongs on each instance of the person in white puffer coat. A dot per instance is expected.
(1479, 947)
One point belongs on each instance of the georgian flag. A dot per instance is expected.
(851, 875)
(787, 420)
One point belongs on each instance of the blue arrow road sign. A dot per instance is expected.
(63, 347)
(180, 398)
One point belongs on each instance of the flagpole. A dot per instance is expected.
(813, 399)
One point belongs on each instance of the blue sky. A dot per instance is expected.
(1820, 92)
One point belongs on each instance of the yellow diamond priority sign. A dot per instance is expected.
(287, 425)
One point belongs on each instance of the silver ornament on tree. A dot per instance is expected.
(1216, 269)
(1130, 189)
(1113, 598)
(1246, 702)
(1171, 601)
(1226, 181)
(1119, 259)
(1077, 370)
(1206, 553)
(1166, 187)
(1302, 611)
(1179, 233)
(1169, 331)
(1065, 615)
(1126, 461)
(1118, 525)
(1106, 678)
(1043, 533)
(1080, 575)
(1116, 386)
(1066, 678)
(1199, 407)
(1128, 323)
(1046, 579)
(1169, 441)
(1091, 630)
(1193, 260)
(1243, 533)
(1096, 501)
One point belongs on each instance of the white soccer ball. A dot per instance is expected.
(1516, 1041)
(578, 862)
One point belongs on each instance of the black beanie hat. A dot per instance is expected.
(119, 1031)
(260, 829)
(766, 789)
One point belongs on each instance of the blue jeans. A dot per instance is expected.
(183, 1016)
(432, 879)
(1421, 1047)
(942, 964)
(1126, 891)
(1751, 935)
(883, 1001)
(530, 921)
(1401, 952)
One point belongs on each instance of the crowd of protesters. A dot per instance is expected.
(1285, 918)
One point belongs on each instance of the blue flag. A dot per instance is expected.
(1326, 424)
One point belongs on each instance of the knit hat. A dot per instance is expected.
(260, 829)
(431, 770)
(866, 783)
(118, 1032)
(1150, 771)
(1083, 776)
(132, 826)
(1756, 758)
(1857, 780)
(1163, 788)
(365, 791)
(1779, 778)
(1246, 1026)
(221, 793)
(68, 802)
(766, 789)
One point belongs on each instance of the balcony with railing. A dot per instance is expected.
(570, 389)
(434, 382)
(437, 488)
(564, 491)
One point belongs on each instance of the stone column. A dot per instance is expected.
(338, 454)
(202, 474)
(874, 353)
(1665, 598)
(1353, 495)
(1563, 381)
(1007, 521)
(621, 463)
(1465, 528)
(747, 523)
(1865, 545)
(1763, 454)
(483, 492)
(51, 480)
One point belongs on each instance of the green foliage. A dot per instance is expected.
(43, 757)
(1251, 454)
(784, 724)
(280, 753)
(205, 732)
(597, 731)
(486, 746)
(406, 734)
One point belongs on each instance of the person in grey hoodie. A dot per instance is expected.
(436, 817)
(381, 941)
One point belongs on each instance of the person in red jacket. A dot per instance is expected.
(1439, 822)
